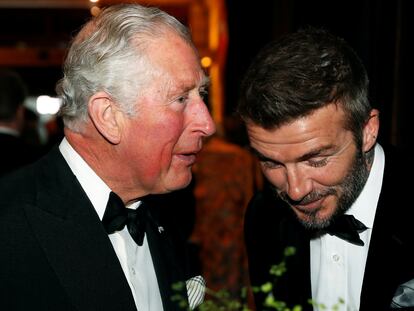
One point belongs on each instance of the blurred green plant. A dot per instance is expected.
(222, 301)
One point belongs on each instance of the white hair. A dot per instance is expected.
(108, 55)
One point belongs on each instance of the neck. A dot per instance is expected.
(369, 157)
(105, 160)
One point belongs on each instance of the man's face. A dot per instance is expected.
(161, 141)
(313, 164)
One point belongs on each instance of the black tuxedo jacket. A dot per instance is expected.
(55, 253)
(270, 226)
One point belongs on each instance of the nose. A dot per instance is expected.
(298, 183)
(202, 120)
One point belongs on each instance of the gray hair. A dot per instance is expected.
(108, 54)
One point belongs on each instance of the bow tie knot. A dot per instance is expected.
(346, 227)
(116, 216)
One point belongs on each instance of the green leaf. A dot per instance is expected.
(267, 287)
(289, 251)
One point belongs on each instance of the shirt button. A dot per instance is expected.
(336, 257)
(133, 271)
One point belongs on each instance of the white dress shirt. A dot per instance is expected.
(136, 261)
(337, 266)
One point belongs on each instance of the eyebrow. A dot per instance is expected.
(261, 156)
(184, 87)
(306, 156)
(314, 153)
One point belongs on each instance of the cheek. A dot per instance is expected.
(161, 140)
(334, 173)
(158, 147)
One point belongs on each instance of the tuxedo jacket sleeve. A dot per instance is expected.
(55, 253)
(270, 226)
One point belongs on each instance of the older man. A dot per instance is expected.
(77, 231)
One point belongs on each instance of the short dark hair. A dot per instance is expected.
(12, 94)
(301, 72)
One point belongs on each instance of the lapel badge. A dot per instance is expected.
(160, 229)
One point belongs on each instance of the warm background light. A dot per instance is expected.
(95, 10)
(206, 62)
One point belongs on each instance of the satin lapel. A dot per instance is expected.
(374, 292)
(74, 241)
(166, 267)
(384, 262)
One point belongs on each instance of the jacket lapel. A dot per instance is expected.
(166, 265)
(74, 241)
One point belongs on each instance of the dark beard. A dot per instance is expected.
(353, 184)
(347, 192)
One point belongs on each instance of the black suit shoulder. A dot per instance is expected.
(26, 270)
(20, 189)
(17, 190)
(394, 207)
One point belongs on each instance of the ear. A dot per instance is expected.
(106, 117)
(370, 131)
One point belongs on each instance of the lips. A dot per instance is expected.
(188, 157)
(311, 206)
(189, 153)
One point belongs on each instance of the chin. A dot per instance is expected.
(180, 182)
(317, 219)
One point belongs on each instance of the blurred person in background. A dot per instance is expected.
(15, 151)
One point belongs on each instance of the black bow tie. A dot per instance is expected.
(346, 227)
(116, 216)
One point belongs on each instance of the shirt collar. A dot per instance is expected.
(365, 206)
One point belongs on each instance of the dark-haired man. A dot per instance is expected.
(334, 193)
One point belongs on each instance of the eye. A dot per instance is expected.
(318, 162)
(267, 164)
(183, 99)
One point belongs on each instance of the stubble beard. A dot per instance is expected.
(346, 192)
